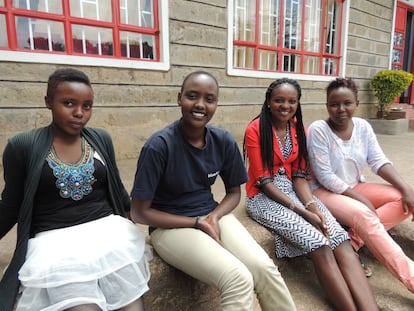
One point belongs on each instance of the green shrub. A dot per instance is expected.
(387, 84)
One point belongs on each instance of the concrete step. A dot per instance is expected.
(409, 110)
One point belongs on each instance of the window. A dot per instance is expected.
(270, 37)
(114, 33)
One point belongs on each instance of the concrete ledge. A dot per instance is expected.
(171, 289)
(389, 127)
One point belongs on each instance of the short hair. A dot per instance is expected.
(198, 73)
(342, 82)
(65, 75)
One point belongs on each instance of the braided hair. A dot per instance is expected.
(266, 132)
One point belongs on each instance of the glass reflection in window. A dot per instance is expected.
(134, 45)
(100, 10)
(92, 40)
(49, 6)
(39, 34)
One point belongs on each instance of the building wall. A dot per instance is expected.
(132, 104)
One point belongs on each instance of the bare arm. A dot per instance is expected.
(276, 195)
(143, 213)
(226, 206)
(359, 197)
(304, 193)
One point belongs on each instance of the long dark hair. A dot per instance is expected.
(266, 132)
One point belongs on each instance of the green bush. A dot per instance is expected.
(387, 84)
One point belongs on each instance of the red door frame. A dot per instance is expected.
(401, 27)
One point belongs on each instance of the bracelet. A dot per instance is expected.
(309, 203)
(196, 222)
(263, 180)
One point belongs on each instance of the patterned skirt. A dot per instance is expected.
(294, 235)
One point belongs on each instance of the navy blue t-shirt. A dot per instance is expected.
(177, 176)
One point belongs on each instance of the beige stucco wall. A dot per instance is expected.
(132, 104)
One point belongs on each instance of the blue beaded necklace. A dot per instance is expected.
(73, 180)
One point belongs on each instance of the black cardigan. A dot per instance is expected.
(23, 159)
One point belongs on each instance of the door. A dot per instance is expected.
(403, 46)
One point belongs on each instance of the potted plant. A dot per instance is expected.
(387, 84)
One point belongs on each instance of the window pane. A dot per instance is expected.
(92, 40)
(330, 65)
(398, 39)
(1, 2)
(311, 65)
(312, 28)
(3, 34)
(291, 63)
(306, 39)
(331, 35)
(268, 60)
(244, 20)
(243, 57)
(270, 23)
(100, 10)
(50, 6)
(292, 24)
(39, 34)
(396, 56)
(134, 45)
(137, 12)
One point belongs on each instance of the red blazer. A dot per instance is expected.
(255, 170)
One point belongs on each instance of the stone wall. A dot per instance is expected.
(369, 37)
(132, 104)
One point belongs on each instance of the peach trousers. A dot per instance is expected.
(369, 228)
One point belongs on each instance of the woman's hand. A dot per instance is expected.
(316, 218)
(210, 226)
(408, 202)
(357, 196)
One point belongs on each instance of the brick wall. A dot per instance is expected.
(132, 104)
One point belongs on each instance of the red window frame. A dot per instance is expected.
(115, 26)
(280, 50)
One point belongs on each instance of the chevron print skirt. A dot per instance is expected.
(294, 236)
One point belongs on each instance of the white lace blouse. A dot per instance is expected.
(330, 156)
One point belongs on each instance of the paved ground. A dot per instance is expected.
(298, 273)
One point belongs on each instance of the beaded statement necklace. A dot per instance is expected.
(73, 180)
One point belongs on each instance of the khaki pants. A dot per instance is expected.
(237, 270)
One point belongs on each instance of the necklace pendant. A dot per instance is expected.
(73, 180)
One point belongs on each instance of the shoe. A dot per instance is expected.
(367, 270)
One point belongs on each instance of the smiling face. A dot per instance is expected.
(341, 105)
(198, 100)
(71, 106)
(283, 103)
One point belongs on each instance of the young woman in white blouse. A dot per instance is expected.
(339, 149)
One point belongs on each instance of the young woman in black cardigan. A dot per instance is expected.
(75, 250)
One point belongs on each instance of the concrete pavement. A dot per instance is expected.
(298, 273)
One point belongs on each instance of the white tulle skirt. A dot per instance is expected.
(104, 262)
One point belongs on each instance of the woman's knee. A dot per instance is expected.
(321, 254)
(238, 279)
